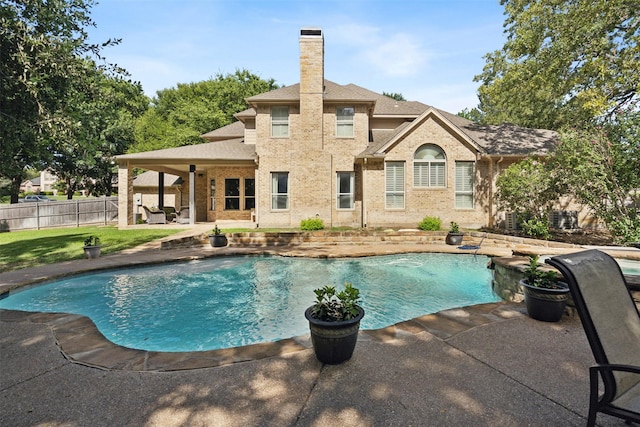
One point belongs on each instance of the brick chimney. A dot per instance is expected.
(311, 86)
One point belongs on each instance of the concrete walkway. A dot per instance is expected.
(487, 365)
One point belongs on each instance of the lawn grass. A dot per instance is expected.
(22, 249)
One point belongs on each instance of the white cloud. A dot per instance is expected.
(400, 55)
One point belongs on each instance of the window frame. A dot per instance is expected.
(276, 194)
(348, 123)
(394, 190)
(231, 197)
(277, 121)
(350, 195)
(249, 195)
(212, 190)
(462, 188)
(426, 169)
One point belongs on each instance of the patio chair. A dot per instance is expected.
(182, 216)
(154, 217)
(611, 322)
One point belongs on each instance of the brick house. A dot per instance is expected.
(345, 154)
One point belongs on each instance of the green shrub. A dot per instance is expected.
(311, 224)
(536, 228)
(430, 223)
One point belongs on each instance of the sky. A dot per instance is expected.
(426, 50)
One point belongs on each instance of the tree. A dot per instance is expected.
(564, 62)
(41, 46)
(394, 95)
(178, 116)
(599, 166)
(596, 166)
(526, 188)
(103, 110)
(474, 114)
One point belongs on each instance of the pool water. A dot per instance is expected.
(234, 301)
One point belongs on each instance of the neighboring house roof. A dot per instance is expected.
(34, 181)
(150, 179)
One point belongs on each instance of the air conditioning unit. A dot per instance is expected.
(564, 220)
(511, 221)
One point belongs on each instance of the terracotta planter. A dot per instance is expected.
(334, 342)
(218, 240)
(545, 304)
(454, 238)
(92, 252)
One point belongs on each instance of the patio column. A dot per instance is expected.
(125, 195)
(160, 190)
(192, 194)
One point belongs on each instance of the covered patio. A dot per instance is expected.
(204, 170)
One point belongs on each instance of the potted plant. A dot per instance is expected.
(217, 239)
(92, 247)
(454, 236)
(334, 321)
(544, 294)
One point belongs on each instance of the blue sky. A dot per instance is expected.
(427, 50)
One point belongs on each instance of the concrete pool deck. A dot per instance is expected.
(482, 365)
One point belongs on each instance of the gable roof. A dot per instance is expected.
(231, 131)
(334, 92)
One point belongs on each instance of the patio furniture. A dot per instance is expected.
(169, 213)
(182, 216)
(154, 217)
(611, 322)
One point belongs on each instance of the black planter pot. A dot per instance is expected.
(334, 342)
(545, 304)
(454, 238)
(218, 240)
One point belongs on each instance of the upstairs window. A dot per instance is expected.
(279, 122)
(429, 167)
(344, 122)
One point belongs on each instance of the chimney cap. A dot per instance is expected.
(311, 32)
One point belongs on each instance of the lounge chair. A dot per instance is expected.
(154, 217)
(611, 322)
(182, 216)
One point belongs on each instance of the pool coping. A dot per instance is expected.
(80, 341)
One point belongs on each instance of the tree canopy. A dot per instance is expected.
(43, 60)
(564, 62)
(178, 116)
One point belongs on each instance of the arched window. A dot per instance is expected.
(429, 167)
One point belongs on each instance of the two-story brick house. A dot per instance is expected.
(347, 155)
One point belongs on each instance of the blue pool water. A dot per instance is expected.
(234, 301)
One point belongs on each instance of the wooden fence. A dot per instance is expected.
(25, 216)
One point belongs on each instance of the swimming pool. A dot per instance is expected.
(234, 301)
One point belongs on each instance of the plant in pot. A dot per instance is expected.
(454, 236)
(92, 247)
(545, 296)
(217, 239)
(334, 321)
